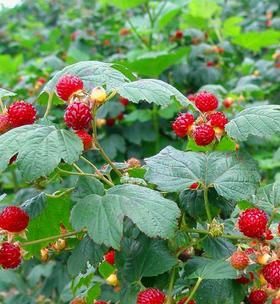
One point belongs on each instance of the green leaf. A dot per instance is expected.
(218, 248)
(143, 257)
(35, 205)
(168, 12)
(93, 73)
(268, 197)
(6, 93)
(40, 149)
(47, 222)
(254, 41)
(226, 144)
(106, 269)
(152, 64)
(86, 252)
(103, 215)
(87, 185)
(234, 176)
(112, 144)
(262, 121)
(210, 7)
(212, 269)
(151, 91)
(231, 27)
(124, 4)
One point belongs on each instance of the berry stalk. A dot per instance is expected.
(194, 290)
(206, 203)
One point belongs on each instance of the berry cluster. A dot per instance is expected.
(254, 224)
(13, 220)
(208, 127)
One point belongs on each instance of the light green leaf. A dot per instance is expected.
(143, 257)
(40, 149)
(204, 8)
(124, 4)
(231, 26)
(262, 121)
(151, 91)
(234, 176)
(6, 93)
(93, 73)
(268, 197)
(103, 215)
(256, 40)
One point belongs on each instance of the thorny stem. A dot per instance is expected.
(207, 207)
(49, 105)
(194, 290)
(51, 238)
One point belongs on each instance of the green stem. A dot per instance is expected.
(100, 149)
(51, 238)
(206, 203)
(49, 105)
(171, 286)
(228, 236)
(15, 181)
(194, 290)
(54, 195)
(151, 23)
(136, 32)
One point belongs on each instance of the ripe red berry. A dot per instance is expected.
(184, 300)
(120, 116)
(210, 64)
(279, 228)
(151, 296)
(245, 280)
(77, 116)
(110, 122)
(4, 123)
(10, 256)
(203, 135)
(217, 119)
(110, 257)
(194, 186)
(67, 85)
(228, 102)
(123, 101)
(271, 273)
(85, 138)
(239, 260)
(257, 297)
(252, 222)
(21, 113)
(268, 235)
(100, 302)
(276, 301)
(179, 34)
(41, 80)
(191, 97)
(13, 219)
(206, 102)
(182, 125)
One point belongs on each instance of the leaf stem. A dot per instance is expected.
(51, 238)
(151, 23)
(194, 290)
(171, 286)
(49, 105)
(136, 32)
(56, 195)
(206, 203)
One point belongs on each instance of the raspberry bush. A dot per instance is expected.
(143, 178)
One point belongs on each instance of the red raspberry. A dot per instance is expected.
(110, 257)
(252, 222)
(191, 97)
(279, 228)
(257, 297)
(245, 280)
(181, 126)
(206, 102)
(194, 186)
(77, 116)
(4, 123)
(67, 85)
(123, 101)
(271, 273)
(249, 251)
(268, 235)
(239, 260)
(85, 138)
(203, 135)
(13, 219)
(120, 116)
(10, 256)
(184, 300)
(179, 34)
(41, 80)
(110, 122)
(217, 119)
(151, 296)
(228, 102)
(100, 302)
(276, 301)
(21, 113)
(210, 64)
